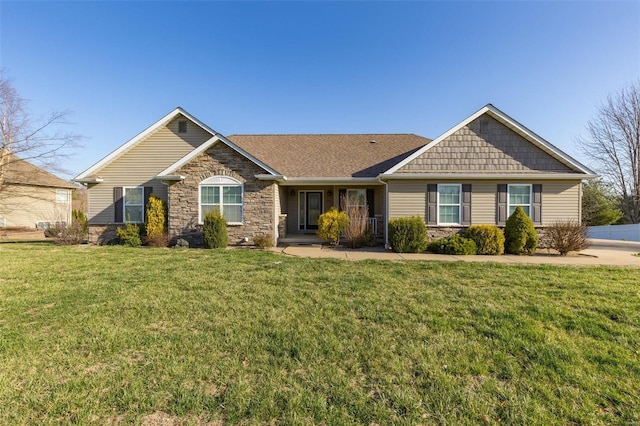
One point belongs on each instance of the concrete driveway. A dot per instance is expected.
(601, 252)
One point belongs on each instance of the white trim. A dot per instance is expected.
(170, 178)
(487, 176)
(219, 181)
(208, 144)
(88, 180)
(459, 222)
(305, 207)
(124, 203)
(530, 205)
(139, 138)
(510, 122)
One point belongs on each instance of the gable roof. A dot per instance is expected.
(208, 144)
(330, 155)
(19, 171)
(495, 113)
(87, 174)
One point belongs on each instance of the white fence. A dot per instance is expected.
(615, 232)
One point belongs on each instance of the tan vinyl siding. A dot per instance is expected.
(407, 198)
(24, 205)
(560, 199)
(140, 164)
(500, 149)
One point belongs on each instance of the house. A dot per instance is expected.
(475, 173)
(32, 197)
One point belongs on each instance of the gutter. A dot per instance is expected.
(88, 180)
(488, 176)
(386, 211)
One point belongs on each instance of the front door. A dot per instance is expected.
(310, 209)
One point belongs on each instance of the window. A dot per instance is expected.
(449, 197)
(222, 193)
(519, 195)
(62, 195)
(356, 198)
(133, 204)
(182, 126)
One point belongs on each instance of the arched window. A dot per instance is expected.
(223, 193)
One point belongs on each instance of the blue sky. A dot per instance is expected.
(317, 67)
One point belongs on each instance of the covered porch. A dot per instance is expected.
(302, 205)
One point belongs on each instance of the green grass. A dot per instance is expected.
(111, 334)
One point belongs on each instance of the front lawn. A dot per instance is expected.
(114, 335)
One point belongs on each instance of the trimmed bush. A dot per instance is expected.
(408, 235)
(129, 235)
(454, 245)
(263, 241)
(331, 224)
(566, 236)
(155, 221)
(214, 230)
(519, 234)
(489, 239)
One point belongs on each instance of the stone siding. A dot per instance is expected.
(102, 234)
(220, 160)
(435, 233)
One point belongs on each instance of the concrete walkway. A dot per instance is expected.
(601, 252)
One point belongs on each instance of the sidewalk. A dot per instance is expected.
(601, 252)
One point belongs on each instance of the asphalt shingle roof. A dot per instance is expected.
(330, 155)
(18, 171)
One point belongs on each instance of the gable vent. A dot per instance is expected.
(182, 126)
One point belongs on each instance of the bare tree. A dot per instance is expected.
(42, 140)
(613, 145)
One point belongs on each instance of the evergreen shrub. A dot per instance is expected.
(331, 224)
(214, 230)
(489, 239)
(456, 244)
(408, 235)
(519, 233)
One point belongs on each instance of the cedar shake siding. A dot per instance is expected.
(499, 149)
(220, 160)
(139, 165)
(560, 200)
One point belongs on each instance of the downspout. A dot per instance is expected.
(386, 213)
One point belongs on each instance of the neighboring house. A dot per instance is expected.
(32, 197)
(475, 173)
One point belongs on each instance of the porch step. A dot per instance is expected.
(302, 240)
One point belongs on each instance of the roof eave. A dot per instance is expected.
(543, 144)
(487, 176)
(139, 137)
(172, 178)
(88, 180)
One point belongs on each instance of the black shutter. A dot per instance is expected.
(370, 205)
(501, 208)
(117, 204)
(432, 204)
(147, 193)
(466, 204)
(342, 194)
(536, 213)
